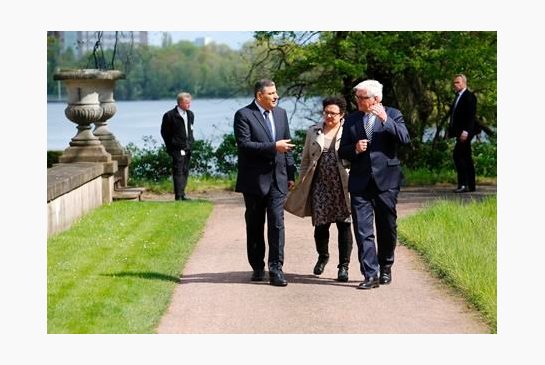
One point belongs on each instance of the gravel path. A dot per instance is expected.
(215, 295)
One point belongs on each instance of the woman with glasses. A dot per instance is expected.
(323, 190)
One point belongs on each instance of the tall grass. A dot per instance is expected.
(459, 242)
(115, 270)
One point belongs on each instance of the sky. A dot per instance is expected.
(233, 39)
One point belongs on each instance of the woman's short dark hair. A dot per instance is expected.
(335, 100)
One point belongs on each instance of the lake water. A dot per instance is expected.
(136, 119)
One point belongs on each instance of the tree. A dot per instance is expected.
(416, 69)
(56, 57)
(153, 72)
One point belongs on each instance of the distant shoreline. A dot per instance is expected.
(55, 100)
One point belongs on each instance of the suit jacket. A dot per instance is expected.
(380, 159)
(173, 130)
(462, 118)
(258, 162)
(299, 198)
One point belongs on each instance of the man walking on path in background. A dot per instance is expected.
(265, 172)
(461, 126)
(177, 132)
(369, 141)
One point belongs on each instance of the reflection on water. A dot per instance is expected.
(135, 119)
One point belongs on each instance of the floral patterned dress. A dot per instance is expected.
(328, 202)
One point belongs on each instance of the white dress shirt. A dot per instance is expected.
(183, 114)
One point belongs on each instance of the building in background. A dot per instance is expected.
(82, 42)
(202, 41)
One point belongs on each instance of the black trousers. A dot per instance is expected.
(378, 207)
(180, 172)
(270, 206)
(321, 238)
(463, 161)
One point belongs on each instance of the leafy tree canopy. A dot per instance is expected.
(416, 69)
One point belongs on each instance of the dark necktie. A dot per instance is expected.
(452, 107)
(269, 123)
(456, 100)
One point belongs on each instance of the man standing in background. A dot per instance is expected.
(177, 132)
(461, 126)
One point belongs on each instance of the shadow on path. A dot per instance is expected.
(243, 277)
(144, 275)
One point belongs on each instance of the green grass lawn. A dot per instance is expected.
(459, 242)
(115, 270)
(423, 176)
(194, 184)
(413, 177)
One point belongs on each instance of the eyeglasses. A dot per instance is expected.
(330, 114)
(361, 98)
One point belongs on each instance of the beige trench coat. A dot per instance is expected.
(298, 201)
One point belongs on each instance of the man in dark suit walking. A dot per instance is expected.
(177, 132)
(462, 125)
(369, 141)
(266, 171)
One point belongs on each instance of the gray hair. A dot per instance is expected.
(373, 88)
(462, 76)
(183, 95)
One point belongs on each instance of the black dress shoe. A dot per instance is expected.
(320, 266)
(369, 283)
(385, 278)
(186, 198)
(462, 189)
(276, 278)
(342, 275)
(258, 275)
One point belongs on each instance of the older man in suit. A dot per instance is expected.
(369, 141)
(462, 127)
(266, 171)
(177, 133)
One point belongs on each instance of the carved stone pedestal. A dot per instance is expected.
(82, 87)
(83, 109)
(107, 138)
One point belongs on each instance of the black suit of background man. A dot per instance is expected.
(462, 127)
(178, 138)
(265, 172)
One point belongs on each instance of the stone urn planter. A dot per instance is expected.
(84, 88)
(107, 138)
(91, 101)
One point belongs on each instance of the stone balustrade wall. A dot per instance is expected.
(73, 190)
